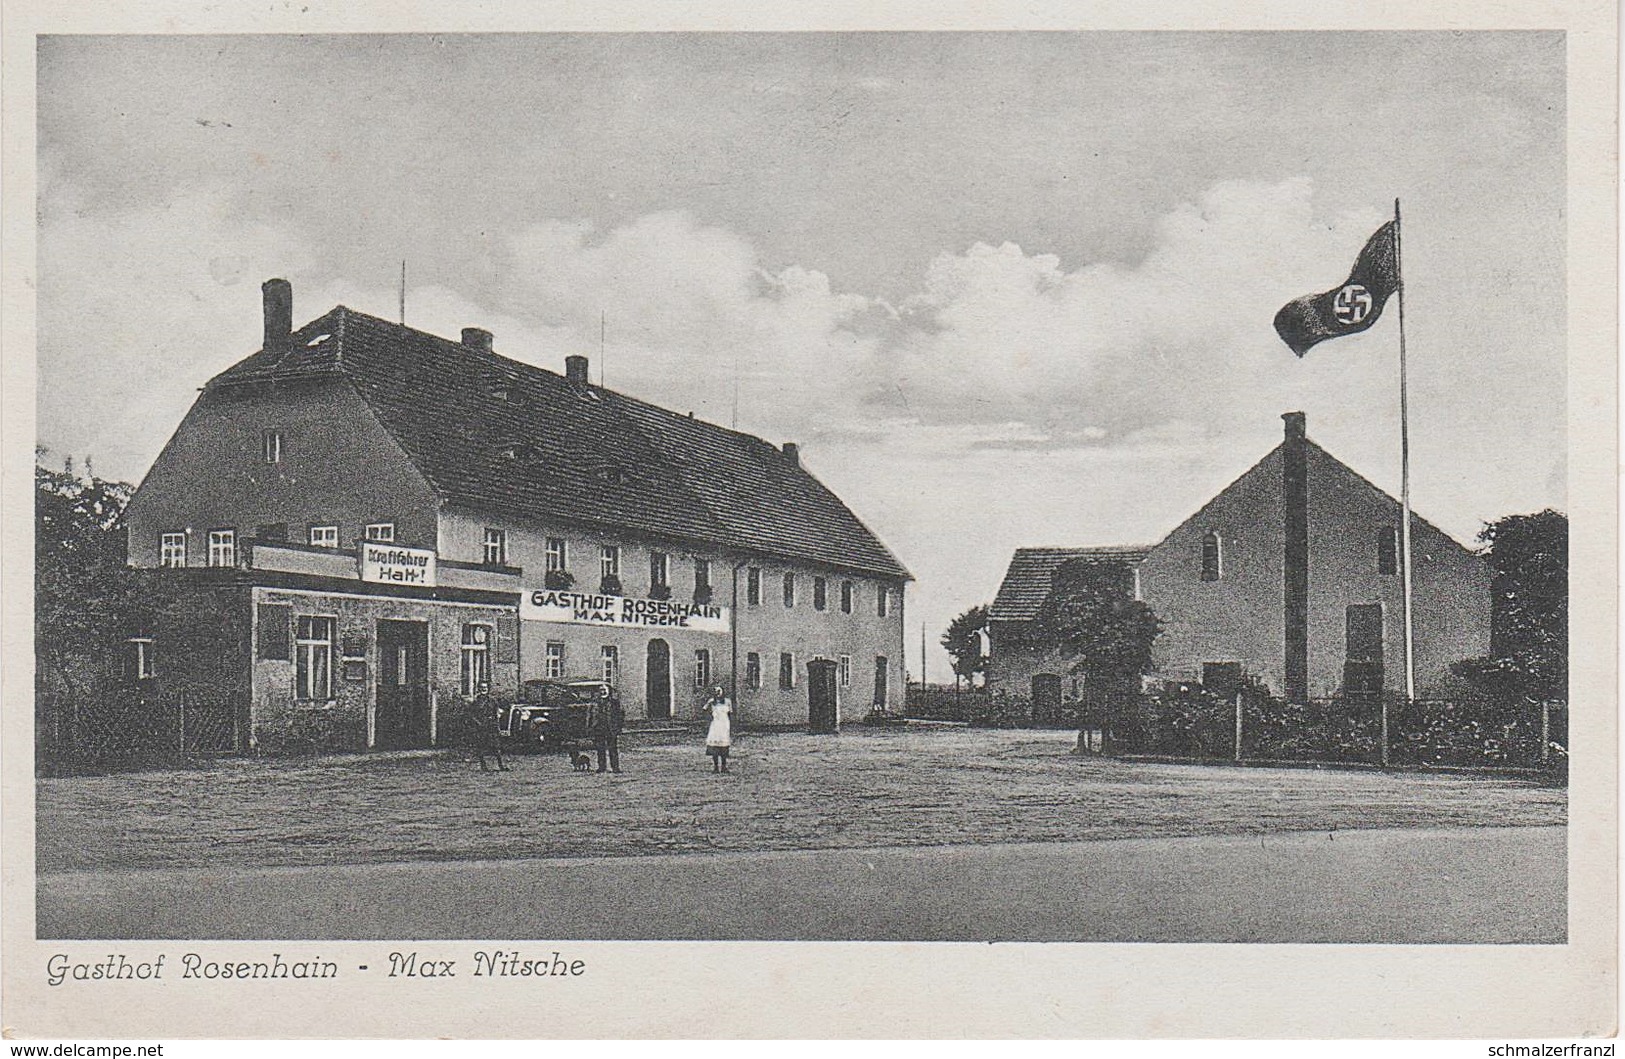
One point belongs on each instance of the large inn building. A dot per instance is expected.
(372, 521)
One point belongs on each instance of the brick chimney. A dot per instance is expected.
(477, 338)
(575, 370)
(1295, 556)
(278, 298)
(792, 452)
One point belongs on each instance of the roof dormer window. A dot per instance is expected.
(499, 386)
(519, 452)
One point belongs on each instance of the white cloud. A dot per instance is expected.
(1102, 353)
(1108, 349)
(690, 308)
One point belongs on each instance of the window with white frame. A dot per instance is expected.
(787, 670)
(324, 536)
(381, 531)
(611, 658)
(846, 597)
(271, 446)
(789, 589)
(557, 554)
(659, 570)
(223, 547)
(753, 671)
(702, 577)
(143, 664)
(882, 600)
(820, 593)
(843, 670)
(495, 547)
(702, 667)
(172, 550)
(476, 669)
(753, 586)
(553, 660)
(609, 561)
(313, 658)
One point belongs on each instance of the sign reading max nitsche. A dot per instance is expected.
(581, 608)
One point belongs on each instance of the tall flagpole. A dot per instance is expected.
(1404, 490)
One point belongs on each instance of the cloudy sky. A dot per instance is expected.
(1005, 289)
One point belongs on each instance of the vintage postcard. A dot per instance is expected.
(832, 522)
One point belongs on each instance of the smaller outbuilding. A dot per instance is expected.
(1290, 577)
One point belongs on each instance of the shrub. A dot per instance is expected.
(999, 710)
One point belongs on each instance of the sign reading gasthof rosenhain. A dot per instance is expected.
(582, 608)
(392, 564)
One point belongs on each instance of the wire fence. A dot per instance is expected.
(127, 728)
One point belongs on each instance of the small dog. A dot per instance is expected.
(579, 761)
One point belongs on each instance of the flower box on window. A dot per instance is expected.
(610, 585)
(702, 594)
(559, 580)
(659, 591)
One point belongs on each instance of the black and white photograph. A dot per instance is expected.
(1075, 491)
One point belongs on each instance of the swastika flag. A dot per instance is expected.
(1348, 308)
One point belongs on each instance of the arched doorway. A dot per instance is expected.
(657, 680)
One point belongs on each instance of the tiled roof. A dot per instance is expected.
(1032, 573)
(495, 435)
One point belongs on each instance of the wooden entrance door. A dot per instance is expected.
(1362, 662)
(823, 704)
(658, 680)
(401, 711)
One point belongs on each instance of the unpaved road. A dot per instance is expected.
(861, 789)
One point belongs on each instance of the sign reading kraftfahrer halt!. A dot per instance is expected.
(392, 564)
(583, 608)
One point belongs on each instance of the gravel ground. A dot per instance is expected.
(863, 788)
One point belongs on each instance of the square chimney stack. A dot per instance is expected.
(575, 370)
(278, 298)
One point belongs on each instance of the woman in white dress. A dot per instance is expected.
(719, 737)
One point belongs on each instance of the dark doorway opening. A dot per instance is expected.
(657, 681)
(401, 712)
(1222, 678)
(823, 705)
(1362, 665)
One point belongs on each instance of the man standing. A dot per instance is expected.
(605, 719)
(481, 719)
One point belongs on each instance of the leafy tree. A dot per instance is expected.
(1529, 609)
(964, 641)
(1092, 618)
(84, 598)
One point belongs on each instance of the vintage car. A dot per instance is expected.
(550, 713)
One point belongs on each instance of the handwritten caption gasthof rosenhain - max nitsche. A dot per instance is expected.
(61, 969)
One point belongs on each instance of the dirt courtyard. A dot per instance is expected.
(919, 786)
